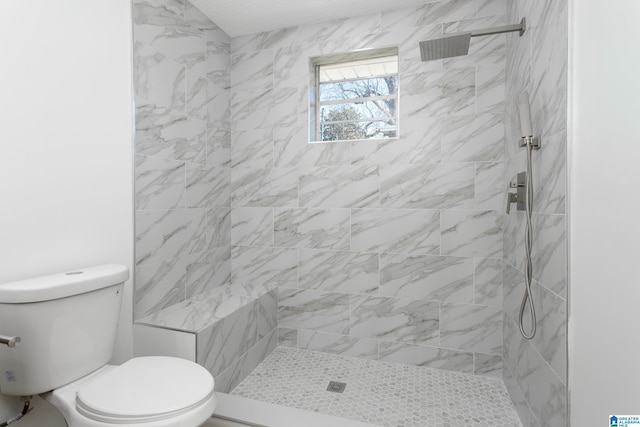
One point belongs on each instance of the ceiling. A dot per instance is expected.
(240, 17)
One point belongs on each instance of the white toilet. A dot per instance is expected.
(57, 334)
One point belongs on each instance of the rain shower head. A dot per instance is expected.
(445, 47)
(457, 44)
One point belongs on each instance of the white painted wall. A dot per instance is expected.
(65, 146)
(604, 162)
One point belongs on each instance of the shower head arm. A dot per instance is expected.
(521, 27)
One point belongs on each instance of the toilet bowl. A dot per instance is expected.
(151, 391)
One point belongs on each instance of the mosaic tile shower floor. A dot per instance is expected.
(380, 393)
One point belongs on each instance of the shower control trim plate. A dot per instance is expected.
(519, 196)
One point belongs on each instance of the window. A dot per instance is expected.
(355, 96)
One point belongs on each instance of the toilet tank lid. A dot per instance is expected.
(62, 285)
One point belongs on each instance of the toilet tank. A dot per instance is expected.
(66, 324)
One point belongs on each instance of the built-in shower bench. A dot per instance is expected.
(228, 330)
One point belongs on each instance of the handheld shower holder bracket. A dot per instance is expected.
(530, 140)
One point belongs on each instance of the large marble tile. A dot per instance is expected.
(338, 271)
(339, 187)
(492, 7)
(419, 142)
(196, 90)
(488, 365)
(431, 357)
(218, 62)
(218, 146)
(471, 327)
(490, 189)
(293, 149)
(395, 319)
(158, 10)
(439, 94)
(158, 79)
(313, 310)
(267, 313)
(513, 290)
(266, 40)
(407, 17)
(340, 29)
(511, 341)
(549, 252)
(550, 175)
(427, 186)
(291, 66)
(427, 277)
(395, 230)
(551, 335)
(487, 50)
(218, 107)
(165, 133)
(225, 341)
(164, 235)
(473, 138)
(475, 23)
(545, 392)
(158, 285)
(517, 396)
(511, 236)
(264, 187)
(245, 364)
(311, 228)
(218, 227)
(266, 108)
(252, 227)
(488, 281)
(159, 183)
(252, 148)
(207, 186)
(471, 233)
(449, 10)
(491, 87)
(338, 344)
(208, 270)
(252, 70)
(166, 30)
(549, 60)
(406, 39)
(264, 265)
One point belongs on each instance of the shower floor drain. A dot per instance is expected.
(336, 387)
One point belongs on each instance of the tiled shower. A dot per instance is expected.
(398, 250)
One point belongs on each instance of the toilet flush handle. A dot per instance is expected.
(9, 341)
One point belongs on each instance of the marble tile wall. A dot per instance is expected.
(182, 154)
(389, 250)
(536, 371)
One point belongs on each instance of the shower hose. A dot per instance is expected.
(527, 298)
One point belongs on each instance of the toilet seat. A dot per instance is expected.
(144, 391)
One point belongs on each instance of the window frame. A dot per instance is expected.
(314, 94)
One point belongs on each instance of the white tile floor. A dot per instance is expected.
(380, 393)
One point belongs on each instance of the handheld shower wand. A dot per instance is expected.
(530, 143)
